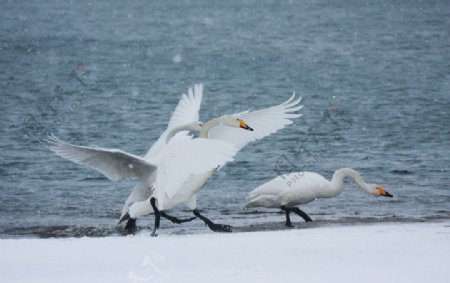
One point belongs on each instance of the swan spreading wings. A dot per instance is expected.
(178, 161)
(227, 128)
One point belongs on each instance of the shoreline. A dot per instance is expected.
(101, 231)
(386, 252)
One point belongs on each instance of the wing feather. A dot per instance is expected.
(181, 160)
(115, 164)
(185, 112)
(264, 122)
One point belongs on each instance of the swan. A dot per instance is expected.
(184, 118)
(289, 190)
(116, 164)
(264, 122)
(168, 195)
(177, 162)
(187, 110)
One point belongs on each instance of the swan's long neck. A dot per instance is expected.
(337, 182)
(208, 125)
(187, 127)
(176, 130)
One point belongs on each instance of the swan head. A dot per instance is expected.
(233, 121)
(378, 190)
(195, 126)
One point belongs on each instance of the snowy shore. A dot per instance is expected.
(391, 252)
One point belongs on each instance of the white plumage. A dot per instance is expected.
(264, 123)
(115, 164)
(195, 157)
(179, 160)
(227, 128)
(289, 190)
(176, 167)
(186, 111)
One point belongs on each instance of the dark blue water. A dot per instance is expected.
(374, 75)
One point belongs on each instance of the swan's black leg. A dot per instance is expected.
(174, 219)
(288, 218)
(302, 214)
(126, 216)
(131, 227)
(211, 225)
(157, 217)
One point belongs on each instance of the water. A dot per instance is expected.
(374, 76)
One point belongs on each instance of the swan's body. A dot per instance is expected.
(178, 161)
(186, 111)
(170, 196)
(183, 119)
(169, 163)
(264, 123)
(289, 190)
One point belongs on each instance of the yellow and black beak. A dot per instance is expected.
(384, 193)
(244, 125)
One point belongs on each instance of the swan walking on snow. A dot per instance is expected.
(289, 190)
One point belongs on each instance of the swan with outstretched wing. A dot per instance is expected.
(183, 119)
(226, 128)
(177, 162)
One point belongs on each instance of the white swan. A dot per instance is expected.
(186, 111)
(289, 190)
(264, 123)
(178, 161)
(184, 117)
(174, 154)
(168, 194)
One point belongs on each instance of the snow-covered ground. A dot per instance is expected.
(369, 253)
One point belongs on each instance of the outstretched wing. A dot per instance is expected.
(188, 107)
(181, 160)
(185, 112)
(115, 164)
(264, 122)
